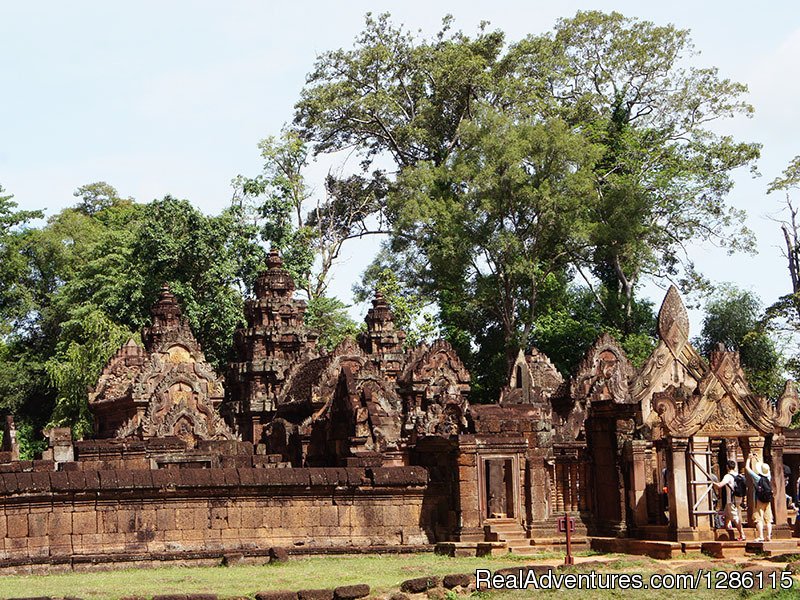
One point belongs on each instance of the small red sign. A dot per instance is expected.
(562, 524)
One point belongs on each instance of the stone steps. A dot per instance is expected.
(774, 548)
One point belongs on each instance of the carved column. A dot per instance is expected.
(637, 451)
(699, 470)
(679, 515)
(778, 482)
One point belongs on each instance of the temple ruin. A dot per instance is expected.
(377, 445)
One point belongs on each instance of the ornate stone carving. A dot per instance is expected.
(673, 363)
(603, 374)
(533, 379)
(435, 384)
(164, 389)
(673, 321)
(788, 405)
(274, 342)
(382, 340)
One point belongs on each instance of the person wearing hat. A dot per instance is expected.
(763, 496)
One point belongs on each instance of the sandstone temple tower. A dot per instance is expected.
(274, 339)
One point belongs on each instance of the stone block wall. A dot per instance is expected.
(55, 516)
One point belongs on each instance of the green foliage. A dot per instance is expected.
(664, 173)
(790, 178)
(15, 297)
(572, 325)
(89, 277)
(733, 318)
(86, 343)
(208, 261)
(586, 152)
(329, 317)
(96, 197)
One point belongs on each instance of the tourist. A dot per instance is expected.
(731, 499)
(763, 495)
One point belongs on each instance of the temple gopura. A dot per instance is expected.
(377, 445)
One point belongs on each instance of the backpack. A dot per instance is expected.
(764, 490)
(739, 486)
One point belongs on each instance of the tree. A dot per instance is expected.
(586, 151)
(329, 317)
(309, 234)
(783, 316)
(664, 173)
(96, 197)
(15, 301)
(498, 218)
(734, 319)
(790, 180)
(91, 277)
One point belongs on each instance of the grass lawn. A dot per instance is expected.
(382, 572)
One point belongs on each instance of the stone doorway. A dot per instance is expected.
(499, 492)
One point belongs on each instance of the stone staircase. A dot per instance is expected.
(511, 532)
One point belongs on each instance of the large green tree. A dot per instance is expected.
(91, 274)
(585, 152)
(664, 171)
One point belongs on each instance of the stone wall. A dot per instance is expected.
(45, 516)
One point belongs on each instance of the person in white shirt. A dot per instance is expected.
(731, 501)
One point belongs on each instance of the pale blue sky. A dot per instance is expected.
(172, 97)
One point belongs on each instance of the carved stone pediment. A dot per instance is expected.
(435, 384)
(165, 389)
(533, 378)
(603, 374)
(788, 405)
(313, 383)
(722, 405)
(673, 363)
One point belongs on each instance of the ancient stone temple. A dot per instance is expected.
(162, 389)
(274, 340)
(376, 444)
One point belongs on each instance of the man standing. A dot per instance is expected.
(730, 500)
(763, 483)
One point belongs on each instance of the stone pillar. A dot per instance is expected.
(778, 482)
(636, 452)
(60, 442)
(468, 509)
(700, 469)
(10, 443)
(679, 510)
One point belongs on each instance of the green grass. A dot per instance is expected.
(383, 573)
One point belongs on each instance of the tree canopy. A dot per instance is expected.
(586, 152)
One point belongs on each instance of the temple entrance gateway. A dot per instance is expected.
(721, 408)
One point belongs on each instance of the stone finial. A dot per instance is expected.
(673, 321)
(380, 316)
(275, 281)
(382, 336)
(166, 311)
(10, 443)
(788, 405)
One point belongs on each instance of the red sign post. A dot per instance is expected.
(566, 524)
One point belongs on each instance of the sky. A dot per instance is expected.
(172, 97)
